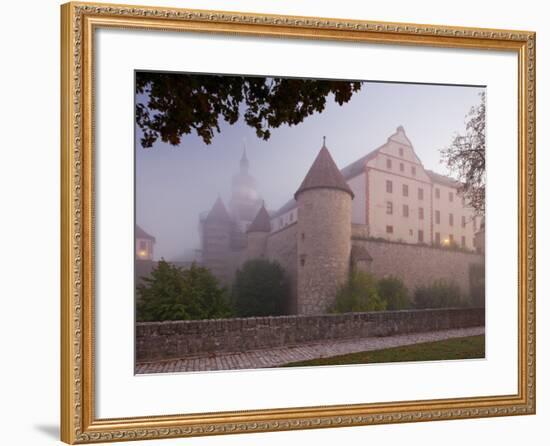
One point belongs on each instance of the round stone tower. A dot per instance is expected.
(324, 234)
(257, 235)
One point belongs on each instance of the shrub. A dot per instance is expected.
(394, 292)
(440, 294)
(477, 285)
(359, 294)
(260, 289)
(173, 293)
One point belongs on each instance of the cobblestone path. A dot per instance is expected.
(273, 357)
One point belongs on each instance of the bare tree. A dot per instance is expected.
(465, 157)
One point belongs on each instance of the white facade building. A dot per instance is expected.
(397, 199)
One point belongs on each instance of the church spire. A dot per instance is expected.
(244, 160)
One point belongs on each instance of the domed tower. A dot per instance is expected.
(257, 235)
(324, 234)
(245, 199)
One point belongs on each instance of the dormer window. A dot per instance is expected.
(388, 163)
(413, 170)
(401, 151)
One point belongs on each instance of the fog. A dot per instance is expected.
(174, 185)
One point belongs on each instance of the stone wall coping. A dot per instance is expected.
(414, 245)
(286, 318)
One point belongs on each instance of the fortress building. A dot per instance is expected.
(344, 219)
(223, 231)
(144, 244)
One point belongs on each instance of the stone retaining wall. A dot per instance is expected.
(178, 339)
(417, 265)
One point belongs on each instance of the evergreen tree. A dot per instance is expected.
(173, 293)
(359, 294)
(260, 289)
(394, 292)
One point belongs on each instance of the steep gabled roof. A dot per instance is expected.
(357, 167)
(401, 137)
(261, 222)
(140, 233)
(442, 179)
(324, 174)
(218, 212)
(290, 204)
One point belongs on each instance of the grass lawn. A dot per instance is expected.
(457, 348)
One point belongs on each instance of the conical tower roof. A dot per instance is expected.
(324, 174)
(261, 223)
(218, 212)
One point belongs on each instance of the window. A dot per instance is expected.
(389, 186)
(463, 221)
(437, 217)
(405, 190)
(421, 213)
(302, 260)
(292, 216)
(388, 163)
(451, 220)
(303, 236)
(438, 238)
(420, 236)
(142, 245)
(420, 193)
(389, 208)
(405, 210)
(401, 167)
(389, 229)
(451, 238)
(451, 196)
(413, 170)
(400, 151)
(463, 241)
(437, 193)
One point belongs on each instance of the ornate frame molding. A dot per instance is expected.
(78, 424)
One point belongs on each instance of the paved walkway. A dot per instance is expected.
(283, 355)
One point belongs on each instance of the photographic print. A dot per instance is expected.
(286, 222)
(234, 222)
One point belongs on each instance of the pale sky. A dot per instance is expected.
(175, 184)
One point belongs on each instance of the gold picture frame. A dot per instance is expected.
(78, 24)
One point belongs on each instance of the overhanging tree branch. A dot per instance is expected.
(181, 104)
